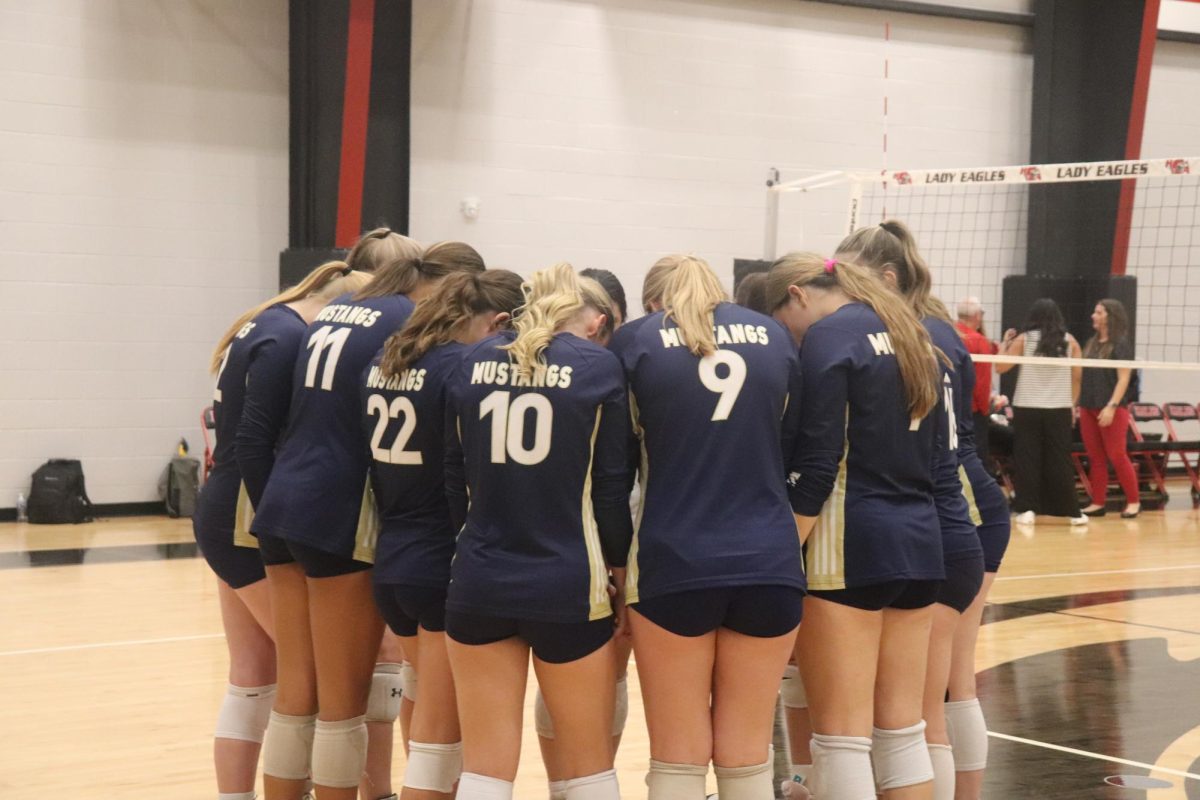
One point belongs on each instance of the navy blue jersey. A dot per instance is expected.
(861, 465)
(260, 355)
(715, 507)
(540, 459)
(315, 495)
(959, 535)
(405, 421)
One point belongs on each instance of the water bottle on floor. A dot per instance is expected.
(22, 508)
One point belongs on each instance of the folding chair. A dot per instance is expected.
(1181, 413)
(208, 422)
(1149, 449)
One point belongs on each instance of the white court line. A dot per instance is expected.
(1099, 572)
(1177, 772)
(97, 645)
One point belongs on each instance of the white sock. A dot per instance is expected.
(943, 771)
(800, 772)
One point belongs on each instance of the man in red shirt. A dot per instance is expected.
(970, 327)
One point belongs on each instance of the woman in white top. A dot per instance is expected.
(1043, 416)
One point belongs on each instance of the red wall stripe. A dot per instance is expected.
(356, 105)
(1133, 139)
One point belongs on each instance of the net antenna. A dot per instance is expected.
(971, 225)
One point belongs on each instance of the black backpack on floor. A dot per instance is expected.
(58, 494)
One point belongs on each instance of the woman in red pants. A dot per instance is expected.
(1103, 416)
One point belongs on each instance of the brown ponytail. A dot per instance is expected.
(891, 247)
(329, 280)
(914, 350)
(439, 317)
(402, 275)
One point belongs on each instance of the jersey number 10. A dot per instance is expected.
(508, 426)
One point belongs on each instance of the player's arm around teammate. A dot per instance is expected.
(260, 344)
(317, 549)
(863, 486)
(715, 584)
(403, 397)
(537, 426)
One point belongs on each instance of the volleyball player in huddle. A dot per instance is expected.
(863, 486)
(403, 397)
(316, 551)
(255, 355)
(622, 643)
(890, 250)
(715, 582)
(538, 424)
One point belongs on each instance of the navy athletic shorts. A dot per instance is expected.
(238, 566)
(988, 504)
(902, 594)
(552, 642)
(315, 563)
(964, 576)
(404, 608)
(762, 611)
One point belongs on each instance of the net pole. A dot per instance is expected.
(771, 228)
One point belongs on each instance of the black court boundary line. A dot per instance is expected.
(1068, 606)
(111, 554)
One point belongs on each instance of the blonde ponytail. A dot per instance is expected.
(891, 247)
(655, 282)
(327, 281)
(439, 318)
(690, 294)
(915, 352)
(553, 297)
(379, 247)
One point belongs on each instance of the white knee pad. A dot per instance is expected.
(339, 752)
(601, 786)
(621, 712)
(542, 722)
(746, 783)
(480, 787)
(791, 691)
(245, 712)
(236, 796)
(841, 767)
(387, 685)
(901, 757)
(433, 767)
(676, 781)
(409, 674)
(558, 790)
(288, 746)
(968, 734)
(942, 758)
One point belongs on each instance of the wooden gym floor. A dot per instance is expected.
(112, 663)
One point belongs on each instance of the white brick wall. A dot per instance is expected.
(143, 203)
(610, 132)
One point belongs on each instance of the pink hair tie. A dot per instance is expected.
(830, 263)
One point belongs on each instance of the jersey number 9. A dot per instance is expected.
(728, 387)
(508, 426)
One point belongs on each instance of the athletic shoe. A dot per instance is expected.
(794, 790)
(1025, 518)
(1082, 519)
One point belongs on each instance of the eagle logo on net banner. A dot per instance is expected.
(902, 178)
(1031, 173)
(1179, 166)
